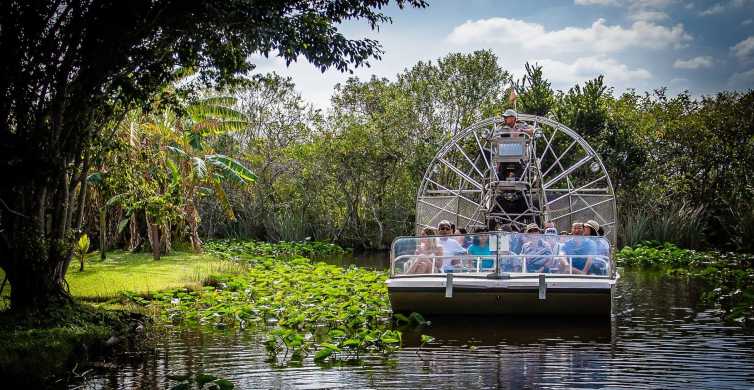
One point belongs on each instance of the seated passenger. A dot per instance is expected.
(449, 246)
(602, 249)
(577, 228)
(481, 247)
(428, 254)
(580, 251)
(464, 240)
(538, 250)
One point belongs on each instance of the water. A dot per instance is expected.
(662, 336)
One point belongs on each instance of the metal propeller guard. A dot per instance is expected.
(490, 174)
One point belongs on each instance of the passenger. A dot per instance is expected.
(516, 240)
(449, 246)
(577, 228)
(553, 265)
(537, 250)
(481, 247)
(550, 229)
(580, 250)
(464, 240)
(428, 254)
(599, 264)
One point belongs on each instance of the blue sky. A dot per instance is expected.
(700, 46)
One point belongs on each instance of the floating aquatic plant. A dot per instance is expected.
(307, 308)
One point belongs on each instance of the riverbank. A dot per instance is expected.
(114, 301)
(728, 277)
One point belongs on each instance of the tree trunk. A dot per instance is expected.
(102, 233)
(193, 221)
(167, 245)
(155, 228)
(135, 237)
(36, 276)
(153, 234)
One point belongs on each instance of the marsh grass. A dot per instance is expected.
(679, 224)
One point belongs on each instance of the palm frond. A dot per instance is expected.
(232, 169)
(225, 127)
(200, 167)
(227, 101)
(202, 112)
(177, 151)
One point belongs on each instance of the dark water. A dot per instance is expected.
(662, 336)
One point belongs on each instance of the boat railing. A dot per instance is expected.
(504, 254)
(519, 264)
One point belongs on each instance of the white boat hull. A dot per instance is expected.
(515, 296)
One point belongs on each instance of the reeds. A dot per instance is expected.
(679, 224)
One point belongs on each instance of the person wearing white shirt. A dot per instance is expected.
(449, 246)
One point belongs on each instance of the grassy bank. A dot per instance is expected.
(138, 273)
(37, 353)
(728, 276)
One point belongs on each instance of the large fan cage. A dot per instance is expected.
(558, 178)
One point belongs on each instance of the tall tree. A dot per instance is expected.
(534, 92)
(71, 66)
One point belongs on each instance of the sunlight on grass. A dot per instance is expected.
(138, 273)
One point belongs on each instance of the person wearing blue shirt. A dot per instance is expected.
(581, 250)
(481, 247)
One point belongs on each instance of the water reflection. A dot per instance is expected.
(662, 337)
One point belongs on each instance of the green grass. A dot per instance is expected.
(138, 273)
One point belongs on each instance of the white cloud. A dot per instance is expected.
(742, 79)
(597, 38)
(648, 15)
(744, 48)
(719, 8)
(595, 2)
(714, 10)
(694, 63)
(586, 68)
(747, 22)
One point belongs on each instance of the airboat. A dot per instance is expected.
(497, 179)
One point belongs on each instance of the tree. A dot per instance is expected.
(72, 66)
(584, 109)
(534, 92)
(195, 165)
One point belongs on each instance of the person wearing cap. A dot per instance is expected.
(538, 250)
(510, 118)
(449, 246)
(592, 228)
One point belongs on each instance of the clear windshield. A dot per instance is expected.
(486, 253)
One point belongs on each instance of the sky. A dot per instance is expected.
(700, 46)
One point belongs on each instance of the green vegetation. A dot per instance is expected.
(138, 273)
(307, 308)
(729, 276)
(97, 63)
(37, 349)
